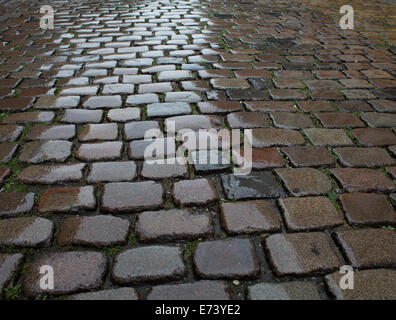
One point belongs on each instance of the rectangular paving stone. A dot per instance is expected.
(127, 294)
(78, 271)
(118, 88)
(29, 117)
(304, 181)
(61, 132)
(270, 137)
(362, 252)
(363, 157)
(99, 151)
(142, 99)
(288, 120)
(294, 290)
(123, 197)
(54, 103)
(194, 192)
(308, 156)
(363, 180)
(168, 109)
(170, 225)
(213, 107)
(252, 186)
(152, 149)
(71, 199)
(44, 151)
(244, 120)
(302, 254)
(31, 232)
(374, 136)
(192, 122)
(160, 87)
(137, 130)
(367, 209)
(96, 231)
(267, 106)
(339, 120)
(80, 91)
(325, 137)
(51, 174)
(124, 114)
(169, 168)
(377, 284)
(100, 102)
(379, 120)
(226, 259)
(199, 290)
(148, 264)
(249, 217)
(103, 131)
(112, 172)
(310, 213)
(82, 116)
(183, 96)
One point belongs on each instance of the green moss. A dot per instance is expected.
(13, 292)
(190, 246)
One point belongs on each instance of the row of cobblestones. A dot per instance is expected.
(78, 195)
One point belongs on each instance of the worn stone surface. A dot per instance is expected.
(308, 156)
(71, 199)
(131, 196)
(199, 290)
(112, 172)
(151, 263)
(378, 284)
(310, 213)
(10, 132)
(65, 132)
(13, 203)
(296, 290)
(364, 157)
(105, 131)
(304, 181)
(301, 254)
(50, 174)
(76, 271)
(363, 180)
(249, 217)
(367, 209)
(269, 137)
(325, 137)
(194, 192)
(25, 232)
(97, 231)
(99, 151)
(126, 294)
(226, 259)
(362, 252)
(170, 169)
(7, 151)
(44, 151)
(173, 224)
(252, 186)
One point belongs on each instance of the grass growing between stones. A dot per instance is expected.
(10, 185)
(13, 292)
(132, 239)
(190, 246)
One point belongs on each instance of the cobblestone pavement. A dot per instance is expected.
(77, 195)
